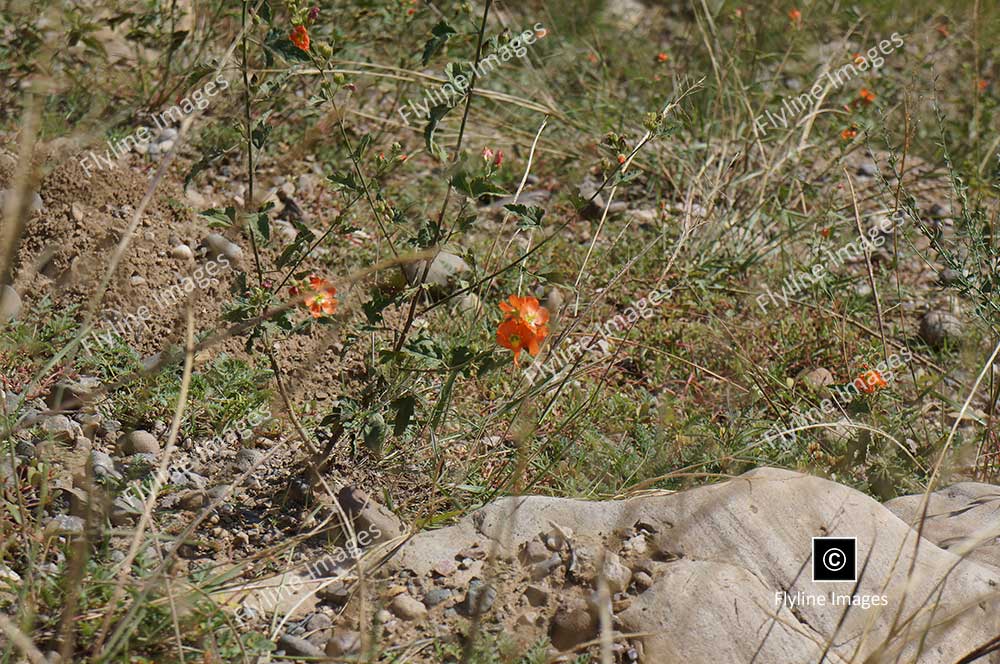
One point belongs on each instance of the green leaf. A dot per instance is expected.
(362, 146)
(264, 226)
(441, 33)
(436, 115)
(220, 218)
(528, 216)
(474, 187)
(404, 407)
(345, 180)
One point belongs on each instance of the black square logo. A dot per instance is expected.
(835, 559)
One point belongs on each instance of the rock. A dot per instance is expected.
(445, 568)
(247, 459)
(306, 183)
(337, 592)
(738, 543)
(866, 170)
(436, 596)
(217, 246)
(136, 280)
(138, 442)
(954, 515)
(63, 524)
(817, 378)
(318, 627)
(528, 619)
(103, 465)
(479, 599)
(572, 626)
(938, 328)
(643, 581)
(949, 277)
(536, 595)
(166, 146)
(445, 271)
(72, 394)
(168, 134)
(195, 198)
(541, 570)
(76, 211)
(556, 538)
(408, 608)
(535, 552)
(615, 574)
(369, 515)
(298, 647)
(10, 304)
(61, 428)
(192, 500)
(7, 574)
(182, 252)
(343, 643)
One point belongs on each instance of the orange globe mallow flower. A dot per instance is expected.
(300, 37)
(795, 16)
(662, 57)
(849, 133)
(323, 299)
(523, 325)
(870, 381)
(867, 96)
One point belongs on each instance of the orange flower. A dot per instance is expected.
(867, 96)
(523, 325)
(825, 232)
(515, 335)
(982, 84)
(849, 133)
(323, 300)
(300, 37)
(541, 33)
(795, 16)
(870, 381)
(662, 57)
(592, 58)
(858, 58)
(528, 311)
(621, 159)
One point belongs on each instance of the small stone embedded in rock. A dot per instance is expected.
(535, 552)
(408, 608)
(445, 568)
(138, 442)
(615, 573)
(543, 569)
(643, 581)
